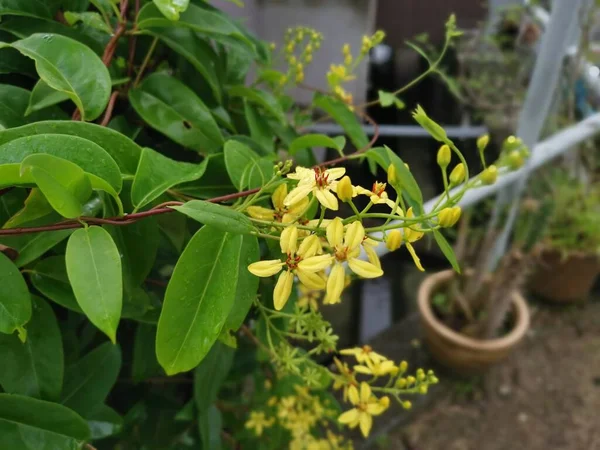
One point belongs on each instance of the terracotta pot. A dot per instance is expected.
(564, 279)
(464, 354)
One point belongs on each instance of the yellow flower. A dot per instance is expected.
(379, 369)
(348, 378)
(309, 298)
(411, 235)
(258, 422)
(345, 191)
(448, 217)
(364, 354)
(280, 212)
(366, 406)
(346, 248)
(393, 240)
(378, 195)
(300, 261)
(319, 182)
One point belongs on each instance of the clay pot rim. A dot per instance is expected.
(511, 339)
(579, 254)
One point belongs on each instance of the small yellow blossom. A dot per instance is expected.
(309, 298)
(346, 248)
(366, 406)
(300, 261)
(345, 190)
(280, 212)
(379, 369)
(347, 380)
(319, 182)
(364, 354)
(448, 217)
(258, 422)
(393, 240)
(412, 234)
(457, 175)
(377, 195)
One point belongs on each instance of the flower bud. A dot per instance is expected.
(423, 389)
(457, 175)
(401, 383)
(483, 141)
(435, 130)
(448, 217)
(489, 175)
(444, 156)
(403, 367)
(344, 189)
(512, 143)
(406, 404)
(515, 160)
(392, 175)
(289, 240)
(393, 240)
(410, 380)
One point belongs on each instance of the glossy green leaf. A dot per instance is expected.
(261, 98)
(260, 130)
(446, 249)
(215, 182)
(15, 300)
(94, 270)
(49, 277)
(196, 50)
(218, 216)
(210, 424)
(198, 299)
(104, 422)
(28, 423)
(13, 62)
(89, 380)
(82, 152)
(387, 99)
(35, 8)
(202, 20)
(171, 9)
(157, 173)
(144, 364)
(210, 375)
(104, 6)
(90, 19)
(34, 207)
(13, 104)
(172, 108)
(257, 173)
(174, 228)
(123, 150)
(344, 117)
(247, 284)
(11, 203)
(237, 157)
(35, 367)
(317, 140)
(58, 62)
(32, 246)
(43, 96)
(63, 183)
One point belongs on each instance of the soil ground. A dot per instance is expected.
(546, 396)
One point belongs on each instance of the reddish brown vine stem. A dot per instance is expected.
(109, 108)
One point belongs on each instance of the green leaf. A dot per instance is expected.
(13, 62)
(10, 204)
(210, 375)
(49, 277)
(196, 50)
(172, 108)
(260, 130)
(237, 157)
(215, 181)
(15, 300)
(13, 104)
(59, 60)
(104, 422)
(247, 284)
(89, 380)
(218, 216)
(94, 270)
(172, 8)
(210, 425)
(157, 173)
(90, 19)
(317, 140)
(123, 150)
(261, 98)
(34, 368)
(28, 8)
(144, 364)
(32, 246)
(43, 96)
(387, 99)
(198, 299)
(35, 206)
(26, 422)
(344, 117)
(446, 249)
(200, 19)
(82, 152)
(257, 173)
(64, 184)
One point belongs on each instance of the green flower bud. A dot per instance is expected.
(489, 175)
(483, 141)
(435, 130)
(515, 160)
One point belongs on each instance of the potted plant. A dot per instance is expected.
(474, 319)
(569, 259)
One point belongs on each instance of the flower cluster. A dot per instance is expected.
(300, 44)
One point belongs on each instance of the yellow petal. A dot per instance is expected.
(297, 194)
(311, 280)
(335, 284)
(335, 232)
(363, 369)
(299, 207)
(365, 422)
(327, 199)
(302, 173)
(354, 235)
(265, 268)
(393, 240)
(309, 246)
(353, 395)
(415, 257)
(349, 417)
(364, 268)
(260, 213)
(283, 289)
(279, 195)
(335, 173)
(289, 240)
(365, 392)
(375, 409)
(315, 263)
